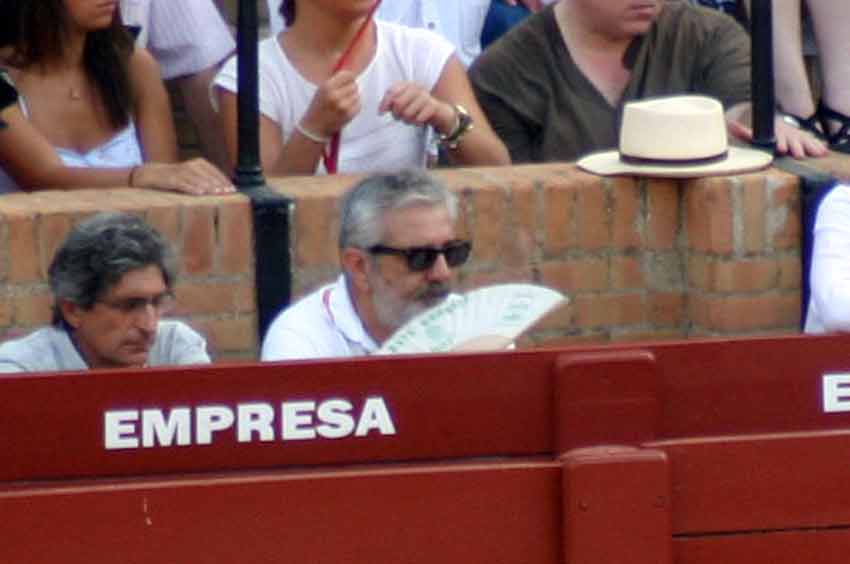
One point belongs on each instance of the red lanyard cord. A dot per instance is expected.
(331, 154)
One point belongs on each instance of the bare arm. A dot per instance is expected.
(34, 164)
(153, 116)
(335, 104)
(194, 89)
(408, 102)
(481, 146)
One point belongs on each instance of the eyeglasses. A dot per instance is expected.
(423, 258)
(161, 303)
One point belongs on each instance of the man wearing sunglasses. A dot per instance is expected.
(398, 250)
(112, 279)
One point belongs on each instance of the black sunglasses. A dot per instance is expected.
(423, 258)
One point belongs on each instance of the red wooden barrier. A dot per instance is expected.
(721, 451)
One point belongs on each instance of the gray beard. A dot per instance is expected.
(393, 311)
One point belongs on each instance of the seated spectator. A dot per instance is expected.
(396, 84)
(398, 251)
(553, 87)
(92, 110)
(190, 41)
(111, 281)
(828, 308)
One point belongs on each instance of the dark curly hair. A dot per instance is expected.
(37, 31)
(99, 252)
(287, 11)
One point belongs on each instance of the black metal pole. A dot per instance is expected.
(270, 210)
(248, 173)
(763, 89)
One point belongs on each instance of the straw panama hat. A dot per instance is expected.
(675, 137)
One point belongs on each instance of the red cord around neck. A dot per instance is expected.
(331, 154)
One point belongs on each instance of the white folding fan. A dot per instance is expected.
(488, 318)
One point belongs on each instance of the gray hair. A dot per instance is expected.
(99, 251)
(366, 204)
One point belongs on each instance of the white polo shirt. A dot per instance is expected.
(323, 324)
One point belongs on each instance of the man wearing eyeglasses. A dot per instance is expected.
(111, 280)
(398, 250)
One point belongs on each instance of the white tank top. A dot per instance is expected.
(120, 151)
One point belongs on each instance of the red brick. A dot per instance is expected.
(745, 276)
(576, 275)
(489, 220)
(559, 211)
(662, 214)
(593, 218)
(784, 226)
(33, 310)
(754, 198)
(316, 231)
(235, 237)
(521, 244)
(226, 336)
(198, 248)
(194, 299)
(666, 309)
(626, 273)
(790, 273)
(52, 231)
(710, 215)
(7, 309)
(607, 310)
(166, 220)
(626, 228)
(699, 272)
(24, 265)
(470, 280)
(746, 314)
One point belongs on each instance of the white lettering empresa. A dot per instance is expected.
(302, 420)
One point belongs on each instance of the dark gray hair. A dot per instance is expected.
(99, 251)
(366, 204)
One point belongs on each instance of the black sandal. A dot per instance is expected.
(810, 124)
(840, 140)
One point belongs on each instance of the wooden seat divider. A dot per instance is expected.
(686, 452)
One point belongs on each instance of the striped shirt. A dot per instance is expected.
(185, 36)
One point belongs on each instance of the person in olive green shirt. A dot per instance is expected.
(554, 86)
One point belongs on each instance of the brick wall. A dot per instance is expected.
(639, 258)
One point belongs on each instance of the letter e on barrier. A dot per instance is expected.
(836, 393)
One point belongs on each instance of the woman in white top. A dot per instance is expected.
(92, 110)
(396, 84)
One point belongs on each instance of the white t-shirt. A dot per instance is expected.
(829, 304)
(323, 324)
(371, 142)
